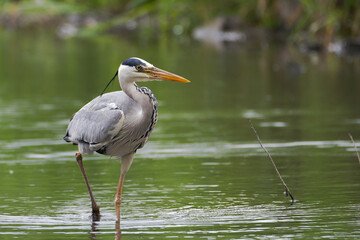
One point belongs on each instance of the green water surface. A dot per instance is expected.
(203, 174)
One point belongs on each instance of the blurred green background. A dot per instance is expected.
(316, 21)
(293, 67)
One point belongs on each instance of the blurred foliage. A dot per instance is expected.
(324, 18)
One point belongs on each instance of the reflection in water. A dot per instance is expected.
(264, 219)
(94, 229)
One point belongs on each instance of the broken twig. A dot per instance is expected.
(287, 190)
(357, 152)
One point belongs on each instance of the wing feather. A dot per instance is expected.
(97, 122)
(95, 126)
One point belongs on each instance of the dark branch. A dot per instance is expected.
(357, 152)
(287, 190)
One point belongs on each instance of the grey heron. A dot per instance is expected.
(118, 123)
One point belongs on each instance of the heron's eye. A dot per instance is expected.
(138, 67)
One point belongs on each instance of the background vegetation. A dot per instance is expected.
(314, 20)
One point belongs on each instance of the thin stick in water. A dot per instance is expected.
(287, 190)
(357, 152)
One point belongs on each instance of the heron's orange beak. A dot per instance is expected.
(160, 74)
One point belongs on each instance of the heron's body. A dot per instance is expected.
(118, 123)
(114, 124)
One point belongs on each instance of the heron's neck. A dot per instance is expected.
(136, 93)
(146, 99)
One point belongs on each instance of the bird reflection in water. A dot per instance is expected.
(95, 230)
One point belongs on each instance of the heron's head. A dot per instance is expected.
(138, 70)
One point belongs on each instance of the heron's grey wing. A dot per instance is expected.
(110, 124)
(94, 125)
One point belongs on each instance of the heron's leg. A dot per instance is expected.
(118, 196)
(95, 207)
(117, 230)
(125, 165)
